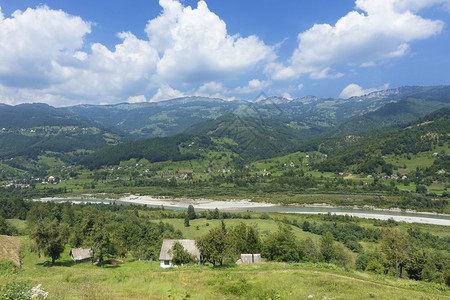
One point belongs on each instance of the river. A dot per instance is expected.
(244, 206)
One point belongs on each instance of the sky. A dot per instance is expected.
(64, 52)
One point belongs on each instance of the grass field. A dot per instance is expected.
(200, 227)
(146, 280)
(10, 249)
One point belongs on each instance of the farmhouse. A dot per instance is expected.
(165, 257)
(81, 255)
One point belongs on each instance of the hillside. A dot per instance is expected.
(33, 133)
(365, 153)
(248, 139)
(171, 117)
(396, 113)
(157, 119)
(10, 249)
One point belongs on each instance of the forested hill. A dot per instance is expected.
(157, 119)
(37, 114)
(366, 153)
(33, 133)
(166, 118)
(396, 113)
(249, 139)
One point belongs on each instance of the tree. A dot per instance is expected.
(310, 251)
(191, 212)
(395, 247)
(186, 221)
(50, 238)
(245, 239)
(96, 236)
(327, 249)
(217, 246)
(282, 245)
(181, 256)
(421, 189)
(5, 228)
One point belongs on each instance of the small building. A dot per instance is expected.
(249, 259)
(82, 255)
(165, 257)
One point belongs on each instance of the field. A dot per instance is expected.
(146, 280)
(139, 279)
(10, 249)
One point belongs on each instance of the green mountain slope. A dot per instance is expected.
(365, 153)
(171, 117)
(396, 113)
(29, 132)
(249, 139)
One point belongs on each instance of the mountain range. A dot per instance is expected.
(263, 128)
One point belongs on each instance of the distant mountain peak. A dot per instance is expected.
(261, 96)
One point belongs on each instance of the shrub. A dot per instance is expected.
(7, 267)
(15, 290)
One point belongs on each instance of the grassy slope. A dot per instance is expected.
(143, 280)
(10, 249)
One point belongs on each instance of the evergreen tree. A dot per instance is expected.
(181, 256)
(282, 245)
(191, 212)
(327, 249)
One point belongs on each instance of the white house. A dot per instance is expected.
(165, 257)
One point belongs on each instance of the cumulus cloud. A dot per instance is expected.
(44, 57)
(195, 46)
(137, 99)
(43, 51)
(165, 92)
(35, 43)
(353, 90)
(254, 85)
(287, 96)
(377, 30)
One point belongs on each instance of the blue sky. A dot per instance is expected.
(69, 52)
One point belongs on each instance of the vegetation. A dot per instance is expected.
(245, 152)
(314, 257)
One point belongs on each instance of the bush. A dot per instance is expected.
(15, 290)
(7, 267)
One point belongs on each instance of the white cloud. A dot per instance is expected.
(137, 99)
(34, 44)
(380, 30)
(353, 90)
(165, 92)
(42, 52)
(254, 85)
(287, 96)
(325, 73)
(214, 90)
(44, 57)
(211, 88)
(195, 46)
